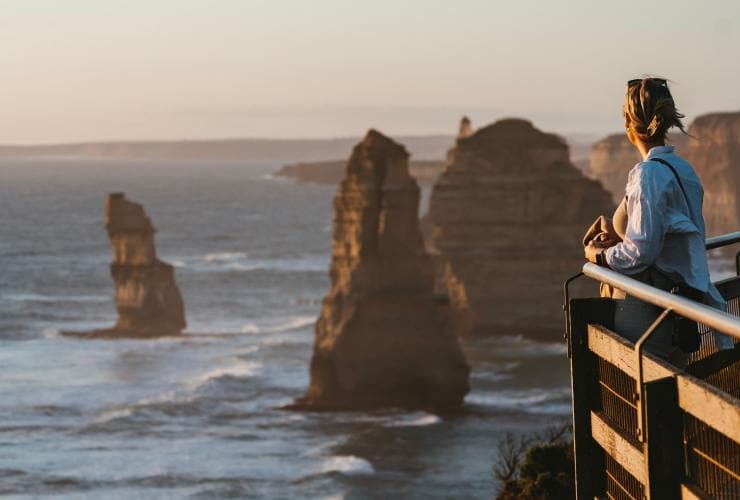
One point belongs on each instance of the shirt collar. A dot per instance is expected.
(659, 150)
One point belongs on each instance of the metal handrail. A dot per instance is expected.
(712, 318)
(723, 240)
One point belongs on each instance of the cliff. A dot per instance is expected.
(383, 338)
(715, 154)
(147, 299)
(506, 218)
(332, 172)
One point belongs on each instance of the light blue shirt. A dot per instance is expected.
(662, 229)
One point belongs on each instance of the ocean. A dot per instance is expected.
(200, 416)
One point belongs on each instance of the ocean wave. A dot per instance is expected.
(241, 262)
(293, 323)
(224, 256)
(542, 401)
(250, 328)
(117, 412)
(347, 464)
(518, 346)
(414, 420)
(237, 368)
(37, 297)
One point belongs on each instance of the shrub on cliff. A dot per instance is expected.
(538, 468)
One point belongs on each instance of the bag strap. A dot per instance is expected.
(678, 178)
(689, 290)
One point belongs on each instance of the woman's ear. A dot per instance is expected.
(628, 129)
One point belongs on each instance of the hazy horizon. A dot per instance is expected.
(86, 71)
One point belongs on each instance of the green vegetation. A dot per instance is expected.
(536, 467)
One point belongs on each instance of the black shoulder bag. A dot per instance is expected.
(685, 331)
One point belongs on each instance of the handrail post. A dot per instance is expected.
(566, 310)
(640, 395)
(663, 451)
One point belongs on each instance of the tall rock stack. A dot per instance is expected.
(383, 338)
(507, 217)
(714, 151)
(147, 299)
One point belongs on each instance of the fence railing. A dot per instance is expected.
(642, 427)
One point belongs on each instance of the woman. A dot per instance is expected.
(657, 234)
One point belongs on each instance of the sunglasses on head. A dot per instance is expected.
(661, 81)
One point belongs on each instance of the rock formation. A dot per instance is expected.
(383, 338)
(507, 217)
(714, 151)
(614, 156)
(148, 300)
(465, 129)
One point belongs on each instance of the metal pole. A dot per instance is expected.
(639, 393)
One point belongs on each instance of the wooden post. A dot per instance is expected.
(588, 459)
(663, 447)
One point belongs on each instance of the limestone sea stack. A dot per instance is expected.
(714, 151)
(147, 299)
(383, 338)
(507, 217)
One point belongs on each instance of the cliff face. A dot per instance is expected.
(383, 337)
(147, 299)
(507, 217)
(715, 154)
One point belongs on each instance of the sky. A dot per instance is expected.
(86, 70)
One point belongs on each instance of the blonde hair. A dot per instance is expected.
(650, 109)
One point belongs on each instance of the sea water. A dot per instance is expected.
(199, 416)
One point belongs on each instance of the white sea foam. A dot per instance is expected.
(113, 414)
(240, 261)
(250, 328)
(236, 368)
(415, 420)
(347, 464)
(530, 401)
(293, 323)
(518, 346)
(224, 256)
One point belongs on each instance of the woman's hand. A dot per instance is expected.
(598, 245)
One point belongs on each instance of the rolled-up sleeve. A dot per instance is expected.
(646, 225)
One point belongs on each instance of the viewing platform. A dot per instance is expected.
(643, 428)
